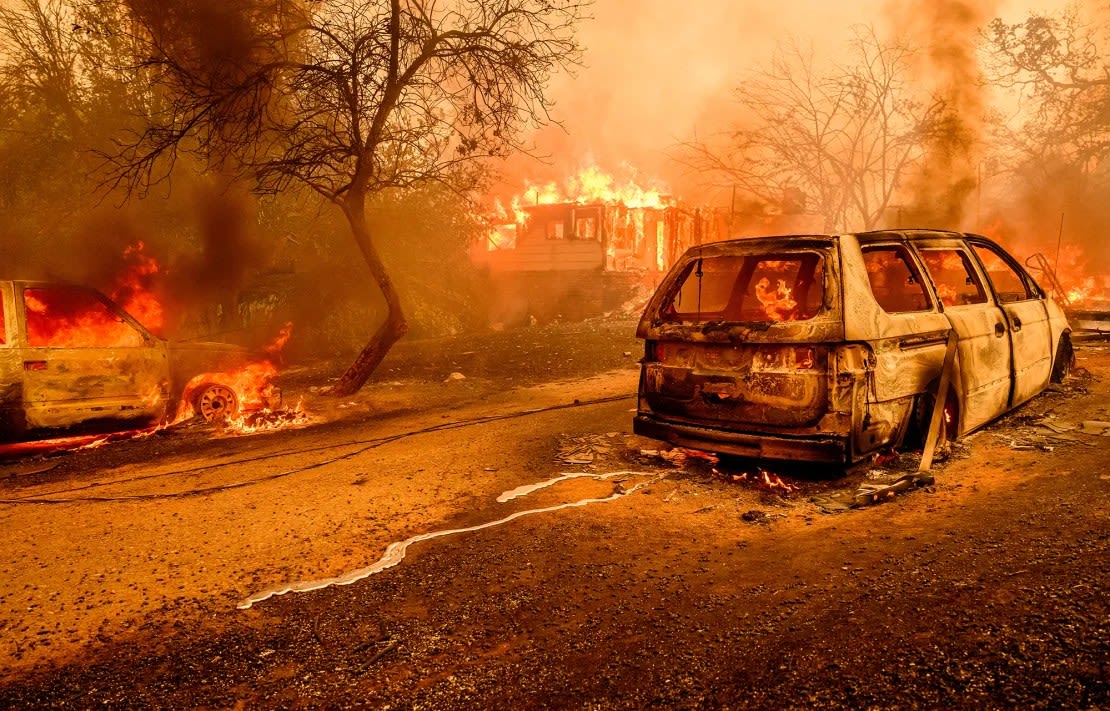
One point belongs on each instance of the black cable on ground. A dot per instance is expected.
(369, 444)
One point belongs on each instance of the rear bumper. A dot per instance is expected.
(826, 450)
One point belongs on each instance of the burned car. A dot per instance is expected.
(70, 356)
(828, 348)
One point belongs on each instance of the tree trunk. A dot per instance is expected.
(394, 326)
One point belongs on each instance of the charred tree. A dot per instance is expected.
(1057, 65)
(843, 138)
(349, 98)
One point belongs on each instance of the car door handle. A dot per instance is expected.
(34, 365)
(1017, 324)
(999, 329)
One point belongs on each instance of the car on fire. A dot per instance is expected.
(828, 348)
(70, 356)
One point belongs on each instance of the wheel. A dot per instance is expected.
(215, 402)
(1065, 360)
(923, 413)
(13, 424)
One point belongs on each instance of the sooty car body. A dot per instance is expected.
(70, 356)
(829, 347)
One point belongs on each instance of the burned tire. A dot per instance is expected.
(922, 414)
(1065, 360)
(215, 402)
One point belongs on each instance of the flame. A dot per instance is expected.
(777, 304)
(590, 185)
(133, 288)
(267, 420)
(60, 317)
(65, 317)
(256, 395)
(620, 223)
(1082, 281)
(275, 346)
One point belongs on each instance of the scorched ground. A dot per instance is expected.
(684, 585)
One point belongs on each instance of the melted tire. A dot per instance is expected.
(1065, 360)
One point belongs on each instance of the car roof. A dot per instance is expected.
(902, 234)
(909, 234)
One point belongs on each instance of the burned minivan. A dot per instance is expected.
(827, 348)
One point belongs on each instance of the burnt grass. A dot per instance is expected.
(523, 355)
(986, 591)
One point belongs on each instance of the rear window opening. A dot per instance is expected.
(787, 286)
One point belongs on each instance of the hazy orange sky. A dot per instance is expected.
(655, 70)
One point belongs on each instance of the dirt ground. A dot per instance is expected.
(138, 574)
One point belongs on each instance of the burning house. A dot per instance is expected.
(585, 251)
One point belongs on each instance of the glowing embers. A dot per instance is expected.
(762, 479)
(45, 447)
(269, 420)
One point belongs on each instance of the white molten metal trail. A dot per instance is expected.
(395, 552)
(529, 488)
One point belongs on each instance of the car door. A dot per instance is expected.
(84, 359)
(1026, 316)
(984, 357)
(11, 379)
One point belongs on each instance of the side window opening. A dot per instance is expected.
(1009, 285)
(67, 317)
(954, 278)
(895, 280)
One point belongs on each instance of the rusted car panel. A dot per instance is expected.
(836, 380)
(70, 356)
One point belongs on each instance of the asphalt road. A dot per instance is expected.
(142, 575)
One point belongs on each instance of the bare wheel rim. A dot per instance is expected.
(216, 402)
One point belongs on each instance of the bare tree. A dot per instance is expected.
(1057, 64)
(844, 138)
(348, 97)
(42, 58)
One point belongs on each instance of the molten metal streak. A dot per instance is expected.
(17, 450)
(526, 489)
(395, 552)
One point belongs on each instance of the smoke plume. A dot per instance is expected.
(949, 70)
